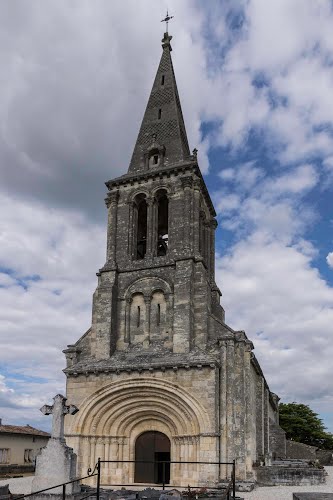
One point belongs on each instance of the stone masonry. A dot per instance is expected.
(159, 355)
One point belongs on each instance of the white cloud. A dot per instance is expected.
(227, 174)
(272, 288)
(302, 178)
(46, 300)
(329, 259)
(72, 98)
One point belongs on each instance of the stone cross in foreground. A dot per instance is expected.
(58, 411)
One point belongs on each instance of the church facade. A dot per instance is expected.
(160, 375)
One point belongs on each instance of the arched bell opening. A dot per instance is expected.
(152, 454)
(154, 158)
(162, 222)
(141, 226)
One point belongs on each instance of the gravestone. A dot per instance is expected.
(313, 496)
(56, 464)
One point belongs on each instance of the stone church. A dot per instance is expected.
(159, 375)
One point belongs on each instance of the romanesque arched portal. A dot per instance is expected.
(112, 419)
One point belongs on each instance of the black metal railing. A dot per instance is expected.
(63, 486)
(228, 494)
(230, 487)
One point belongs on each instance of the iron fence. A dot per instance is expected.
(228, 493)
(231, 485)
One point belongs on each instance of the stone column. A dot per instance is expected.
(93, 459)
(186, 458)
(266, 423)
(260, 418)
(151, 233)
(85, 455)
(249, 411)
(113, 453)
(169, 314)
(99, 449)
(187, 183)
(196, 217)
(134, 231)
(128, 303)
(147, 329)
(230, 381)
(239, 408)
(107, 467)
(207, 242)
(213, 225)
(130, 229)
(112, 204)
(223, 409)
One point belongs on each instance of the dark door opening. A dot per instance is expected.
(154, 447)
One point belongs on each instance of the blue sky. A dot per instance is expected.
(256, 83)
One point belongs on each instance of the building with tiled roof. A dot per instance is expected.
(20, 444)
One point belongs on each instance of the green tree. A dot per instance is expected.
(304, 425)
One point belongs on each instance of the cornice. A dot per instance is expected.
(184, 167)
(162, 366)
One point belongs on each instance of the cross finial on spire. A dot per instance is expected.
(166, 21)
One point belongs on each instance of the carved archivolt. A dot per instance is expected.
(129, 407)
(147, 286)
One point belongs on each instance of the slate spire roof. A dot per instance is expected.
(163, 123)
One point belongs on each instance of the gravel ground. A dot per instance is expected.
(23, 485)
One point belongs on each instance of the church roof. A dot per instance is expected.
(163, 122)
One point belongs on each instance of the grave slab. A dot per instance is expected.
(312, 496)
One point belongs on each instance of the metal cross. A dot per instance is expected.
(166, 21)
(58, 411)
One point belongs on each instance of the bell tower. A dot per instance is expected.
(161, 243)
(156, 291)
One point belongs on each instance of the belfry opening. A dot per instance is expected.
(141, 230)
(152, 457)
(163, 223)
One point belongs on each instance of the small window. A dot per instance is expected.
(138, 313)
(158, 318)
(155, 159)
(159, 114)
(162, 80)
(4, 455)
(28, 456)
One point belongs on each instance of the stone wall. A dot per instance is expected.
(300, 450)
(288, 476)
(277, 441)
(325, 457)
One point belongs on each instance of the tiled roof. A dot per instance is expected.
(20, 429)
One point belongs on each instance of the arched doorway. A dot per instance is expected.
(152, 446)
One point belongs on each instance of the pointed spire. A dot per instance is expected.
(162, 139)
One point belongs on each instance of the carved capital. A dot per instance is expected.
(150, 201)
(187, 182)
(197, 184)
(112, 198)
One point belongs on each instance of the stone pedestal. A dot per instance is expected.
(56, 464)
